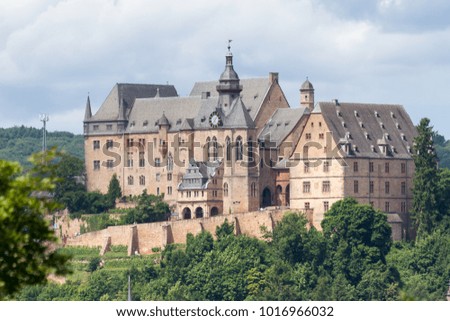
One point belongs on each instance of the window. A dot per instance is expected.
(96, 144)
(403, 188)
(326, 166)
(253, 189)
(108, 127)
(320, 135)
(250, 150)
(158, 177)
(129, 142)
(141, 159)
(403, 168)
(355, 166)
(96, 165)
(307, 206)
(142, 180)
(130, 159)
(386, 167)
(371, 167)
(157, 191)
(109, 163)
(308, 135)
(169, 176)
(130, 180)
(387, 207)
(403, 207)
(371, 204)
(141, 142)
(225, 189)
(306, 167)
(95, 127)
(386, 187)
(306, 187)
(109, 144)
(356, 187)
(371, 187)
(326, 206)
(239, 148)
(157, 162)
(325, 186)
(169, 190)
(228, 148)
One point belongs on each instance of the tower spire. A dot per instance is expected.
(228, 87)
(88, 111)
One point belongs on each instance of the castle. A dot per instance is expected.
(235, 146)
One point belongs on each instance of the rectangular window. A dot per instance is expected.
(129, 159)
(306, 167)
(387, 187)
(96, 165)
(108, 127)
(142, 180)
(356, 187)
(169, 176)
(387, 207)
(141, 159)
(308, 135)
(306, 187)
(130, 142)
(307, 206)
(403, 188)
(109, 163)
(96, 144)
(403, 207)
(320, 135)
(355, 166)
(371, 187)
(403, 168)
(326, 206)
(169, 190)
(109, 144)
(157, 191)
(326, 166)
(158, 177)
(95, 127)
(371, 167)
(325, 186)
(386, 167)
(157, 162)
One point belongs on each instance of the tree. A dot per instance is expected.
(425, 211)
(114, 190)
(358, 236)
(150, 208)
(27, 251)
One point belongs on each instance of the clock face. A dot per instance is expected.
(214, 120)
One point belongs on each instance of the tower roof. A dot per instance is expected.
(88, 111)
(307, 85)
(163, 121)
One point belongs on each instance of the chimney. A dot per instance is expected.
(273, 77)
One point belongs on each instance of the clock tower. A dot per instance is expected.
(228, 87)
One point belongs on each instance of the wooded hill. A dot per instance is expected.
(18, 143)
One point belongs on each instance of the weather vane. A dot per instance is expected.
(229, 44)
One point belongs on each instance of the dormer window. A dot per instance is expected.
(382, 125)
(392, 114)
(403, 137)
(398, 126)
(344, 124)
(367, 135)
(356, 113)
(377, 114)
(361, 124)
(145, 123)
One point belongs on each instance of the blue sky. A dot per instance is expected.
(53, 53)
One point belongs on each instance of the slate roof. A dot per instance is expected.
(147, 112)
(254, 90)
(124, 95)
(281, 124)
(197, 175)
(365, 126)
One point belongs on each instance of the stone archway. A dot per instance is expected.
(266, 198)
(199, 212)
(214, 211)
(187, 213)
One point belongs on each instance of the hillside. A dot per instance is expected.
(18, 143)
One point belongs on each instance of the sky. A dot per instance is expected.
(54, 53)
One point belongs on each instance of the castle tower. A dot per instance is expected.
(228, 87)
(307, 95)
(87, 115)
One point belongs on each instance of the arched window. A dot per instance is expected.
(130, 180)
(215, 151)
(225, 189)
(253, 190)
(169, 163)
(250, 150)
(239, 148)
(208, 149)
(142, 180)
(228, 148)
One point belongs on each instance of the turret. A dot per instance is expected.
(228, 87)
(307, 95)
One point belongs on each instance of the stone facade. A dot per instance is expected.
(234, 146)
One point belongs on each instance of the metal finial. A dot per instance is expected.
(229, 44)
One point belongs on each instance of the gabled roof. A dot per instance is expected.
(281, 124)
(124, 95)
(254, 90)
(147, 112)
(365, 125)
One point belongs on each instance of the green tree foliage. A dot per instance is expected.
(114, 190)
(425, 210)
(442, 150)
(26, 252)
(150, 208)
(18, 143)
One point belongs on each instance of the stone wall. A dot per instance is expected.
(142, 238)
